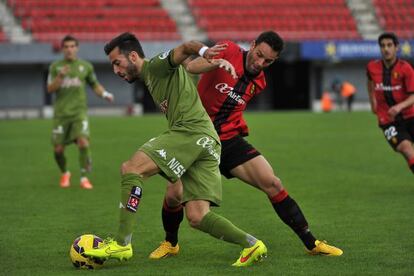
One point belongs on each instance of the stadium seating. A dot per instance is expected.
(3, 37)
(94, 20)
(396, 16)
(295, 20)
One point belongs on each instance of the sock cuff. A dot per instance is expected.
(171, 209)
(279, 197)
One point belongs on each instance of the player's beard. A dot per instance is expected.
(132, 72)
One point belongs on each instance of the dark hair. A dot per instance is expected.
(388, 35)
(69, 38)
(271, 38)
(126, 43)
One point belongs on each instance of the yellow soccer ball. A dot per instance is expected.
(82, 243)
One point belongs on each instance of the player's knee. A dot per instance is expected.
(82, 142)
(126, 167)
(194, 218)
(273, 185)
(58, 149)
(173, 197)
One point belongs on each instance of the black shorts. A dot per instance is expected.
(235, 152)
(396, 132)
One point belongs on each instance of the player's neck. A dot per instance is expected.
(389, 63)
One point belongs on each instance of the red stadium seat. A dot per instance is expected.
(295, 19)
(396, 16)
(91, 20)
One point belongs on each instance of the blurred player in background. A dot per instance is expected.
(67, 79)
(188, 150)
(391, 94)
(225, 98)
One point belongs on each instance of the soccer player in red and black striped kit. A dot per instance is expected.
(225, 97)
(391, 94)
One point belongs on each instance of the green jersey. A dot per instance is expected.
(175, 93)
(71, 96)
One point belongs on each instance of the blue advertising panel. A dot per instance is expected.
(348, 49)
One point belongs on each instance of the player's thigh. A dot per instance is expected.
(256, 172)
(396, 133)
(61, 132)
(140, 163)
(202, 181)
(79, 130)
(235, 152)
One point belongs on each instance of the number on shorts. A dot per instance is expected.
(390, 132)
(85, 126)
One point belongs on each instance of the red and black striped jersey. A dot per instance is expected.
(391, 86)
(226, 98)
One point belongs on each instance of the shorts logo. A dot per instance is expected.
(207, 143)
(176, 167)
(162, 153)
(134, 199)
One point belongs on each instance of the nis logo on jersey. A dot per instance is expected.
(382, 87)
(224, 88)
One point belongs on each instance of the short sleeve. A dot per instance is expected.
(91, 77)
(52, 73)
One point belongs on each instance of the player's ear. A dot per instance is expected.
(133, 56)
(252, 44)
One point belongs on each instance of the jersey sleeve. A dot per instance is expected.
(91, 76)
(162, 65)
(409, 78)
(52, 73)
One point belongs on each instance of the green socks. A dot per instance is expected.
(131, 194)
(221, 228)
(85, 161)
(61, 161)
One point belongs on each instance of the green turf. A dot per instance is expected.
(355, 192)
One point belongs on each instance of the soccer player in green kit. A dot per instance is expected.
(189, 150)
(67, 79)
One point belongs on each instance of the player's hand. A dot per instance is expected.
(394, 111)
(224, 64)
(214, 51)
(64, 71)
(108, 96)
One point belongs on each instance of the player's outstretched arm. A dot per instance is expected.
(201, 65)
(182, 52)
(101, 92)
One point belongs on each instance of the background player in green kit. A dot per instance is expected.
(189, 150)
(67, 79)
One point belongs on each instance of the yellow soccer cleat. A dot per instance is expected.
(110, 249)
(323, 248)
(164, 250)
(251, 255)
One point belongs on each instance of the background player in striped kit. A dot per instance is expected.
(391, 93)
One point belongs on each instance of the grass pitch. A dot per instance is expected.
(355, 192)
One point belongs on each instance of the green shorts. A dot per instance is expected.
(66, 131)
(193, 158)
